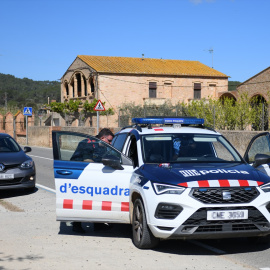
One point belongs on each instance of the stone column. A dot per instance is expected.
(9, 127)
(82, 86)
(19, 122)
(70, 90)
(75, 86)
(1, 123)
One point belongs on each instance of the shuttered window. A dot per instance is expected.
(152, 89)
(197, 90)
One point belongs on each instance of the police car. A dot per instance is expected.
(171, 178)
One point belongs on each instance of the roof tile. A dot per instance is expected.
(130, 65)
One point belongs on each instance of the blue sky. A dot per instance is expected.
(41, 38)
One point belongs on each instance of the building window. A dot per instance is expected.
(152, 89)
(79, 84)
(67, 90)
(197, 90)
(92, 86)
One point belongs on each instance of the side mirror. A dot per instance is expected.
(261, 159)
(112, 161)
(27, 149)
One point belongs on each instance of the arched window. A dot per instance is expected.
(259, 104)
(79, 84)
(66, 89)
(92, 86)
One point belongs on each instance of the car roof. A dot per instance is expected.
(171, 130)
(4, 135)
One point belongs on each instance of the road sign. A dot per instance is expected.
(99, 106)
(27, 111)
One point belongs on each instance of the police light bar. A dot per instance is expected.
(160, 121)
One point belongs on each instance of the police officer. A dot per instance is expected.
(107, 136)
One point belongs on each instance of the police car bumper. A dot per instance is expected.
(183, 217)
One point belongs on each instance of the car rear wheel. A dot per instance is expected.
(142, 236)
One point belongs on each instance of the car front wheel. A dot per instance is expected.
(142, 236)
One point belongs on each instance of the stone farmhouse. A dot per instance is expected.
(142, 81)
(257, 86)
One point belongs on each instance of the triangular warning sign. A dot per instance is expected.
(99, 106)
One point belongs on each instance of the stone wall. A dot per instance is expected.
(14, 125)
(42, 136)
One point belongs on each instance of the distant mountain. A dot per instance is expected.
(232, 85)
(26, 92)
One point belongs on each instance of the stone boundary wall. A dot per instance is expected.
(14, 125)
(42, 136)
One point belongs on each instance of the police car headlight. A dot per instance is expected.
(266, 188)
(27, 164)
(167, 189)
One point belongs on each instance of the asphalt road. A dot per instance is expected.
(31, 238)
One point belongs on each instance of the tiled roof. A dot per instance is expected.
(129, 65)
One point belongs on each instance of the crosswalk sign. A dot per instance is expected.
(27, 111)
(99, 106)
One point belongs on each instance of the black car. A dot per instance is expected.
(17, 170)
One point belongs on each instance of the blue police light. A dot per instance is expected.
(160, 121)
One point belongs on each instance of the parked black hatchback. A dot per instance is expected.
(17, 170)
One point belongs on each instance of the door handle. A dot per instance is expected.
(64, 172)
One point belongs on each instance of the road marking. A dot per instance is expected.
(40, 157)
(46, 188)
(216, 250)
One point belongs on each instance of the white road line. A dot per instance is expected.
(216, 250)
(41, 157)
(46, 188)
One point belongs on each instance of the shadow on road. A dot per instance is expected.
(9, 193)
(115, 230)
(181, 247)
(228, 246)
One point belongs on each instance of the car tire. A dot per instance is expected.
(141, 235)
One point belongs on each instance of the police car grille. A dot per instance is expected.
(215, 195)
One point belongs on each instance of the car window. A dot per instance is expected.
(84, 149)
(119, 141)
(7, 144)
(187, 148)
(260, 145)
(132, 151)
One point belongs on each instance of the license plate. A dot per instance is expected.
(227, 214)
(6, 176)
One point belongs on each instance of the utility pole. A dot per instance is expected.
(6, 102)
(212, 52)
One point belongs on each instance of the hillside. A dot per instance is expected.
(26, 92)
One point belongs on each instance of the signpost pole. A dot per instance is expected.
(27, 111)
(99, 107)
(97, 122)
(26, 129)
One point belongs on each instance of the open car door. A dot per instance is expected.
(91, 179)
(258, 152)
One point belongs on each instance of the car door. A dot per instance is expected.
(86, 189)
(259, 144)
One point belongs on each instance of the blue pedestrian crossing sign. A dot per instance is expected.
(27, 111)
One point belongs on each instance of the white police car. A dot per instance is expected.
(171, 178)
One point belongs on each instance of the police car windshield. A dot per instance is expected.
(169, 148)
